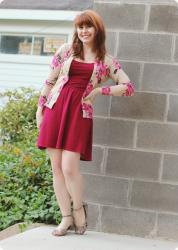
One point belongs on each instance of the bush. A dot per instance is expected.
(17, 117)
(26, 192)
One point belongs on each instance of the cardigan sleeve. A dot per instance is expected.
(120, 78)
(55, 67)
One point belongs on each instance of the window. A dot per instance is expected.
(16, 44)
(31, 45)
(47, 45)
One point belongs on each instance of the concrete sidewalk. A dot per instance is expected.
(41, 238)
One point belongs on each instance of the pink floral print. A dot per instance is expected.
(42, 100)
(116, 65)
(88, 89)
(106, 90)
(49, 83)
(55, 62)
(63, 80)
(129, 90)
(87, 110)
(66, 54)
(101, 70)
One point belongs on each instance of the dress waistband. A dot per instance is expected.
(76, 85)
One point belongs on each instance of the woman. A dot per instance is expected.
(65, 112)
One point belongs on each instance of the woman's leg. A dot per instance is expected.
(74, 181)
(62, 195)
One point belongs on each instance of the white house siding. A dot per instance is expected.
(13, 75)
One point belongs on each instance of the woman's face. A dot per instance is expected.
(86, 33)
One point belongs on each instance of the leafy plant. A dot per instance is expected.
(26, 190)
(17, 117)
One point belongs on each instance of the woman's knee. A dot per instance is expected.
(70, 163)
(55, 156)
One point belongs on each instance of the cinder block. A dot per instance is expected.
(158, 136)
(148, 106)
(93, 217)
(172, 112)
(113, 132)
(132, 69)
(127, 221)
(133, 164)
(124, 16)
(170, 168)
(163, 18)
(154, 196)
(95, 165)
(146, 47)
(160, 77)
(111, 42)
(101, 104)
(106, 190)
(168, 226)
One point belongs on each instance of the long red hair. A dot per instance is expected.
(90, 18)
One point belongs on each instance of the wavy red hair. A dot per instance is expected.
(91, 18)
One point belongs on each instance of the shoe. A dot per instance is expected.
(80, 229)
(63, 231)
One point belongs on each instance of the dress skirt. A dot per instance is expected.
(63, 126)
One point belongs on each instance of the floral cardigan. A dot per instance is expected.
(59, 75)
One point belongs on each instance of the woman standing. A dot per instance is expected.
(65, 112)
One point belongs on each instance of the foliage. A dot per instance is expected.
(26, 190)
(17, 117)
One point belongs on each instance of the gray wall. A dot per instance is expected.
(132, 183)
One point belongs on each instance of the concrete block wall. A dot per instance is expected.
(132, 183)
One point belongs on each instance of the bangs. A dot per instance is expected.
(83, 19)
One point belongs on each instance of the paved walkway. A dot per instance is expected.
(41, 238)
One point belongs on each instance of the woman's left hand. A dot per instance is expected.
(92, 95)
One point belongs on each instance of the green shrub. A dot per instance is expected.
(26, 190)
(17, 117)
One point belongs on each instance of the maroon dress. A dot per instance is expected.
(63, 126)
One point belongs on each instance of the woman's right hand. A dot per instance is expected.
(39, 118)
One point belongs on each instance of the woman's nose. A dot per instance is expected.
(85, 29)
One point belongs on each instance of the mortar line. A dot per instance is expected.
(154, 151)
(103, 169)
(173, 47)
(161, 168)
(129, 191)
(147, 17)
(119, 2)
(135, 135)
(165, 118)
(142, 66)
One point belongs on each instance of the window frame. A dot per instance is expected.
(18, 57)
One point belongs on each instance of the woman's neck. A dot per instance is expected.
(87, 48)
(89, 54)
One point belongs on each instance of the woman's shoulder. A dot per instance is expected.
(108, 59)
(111, 60)
(64, 47)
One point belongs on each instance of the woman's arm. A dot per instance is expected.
(123, 87)
(55, 66)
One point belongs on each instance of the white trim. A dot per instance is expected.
(49, 15)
